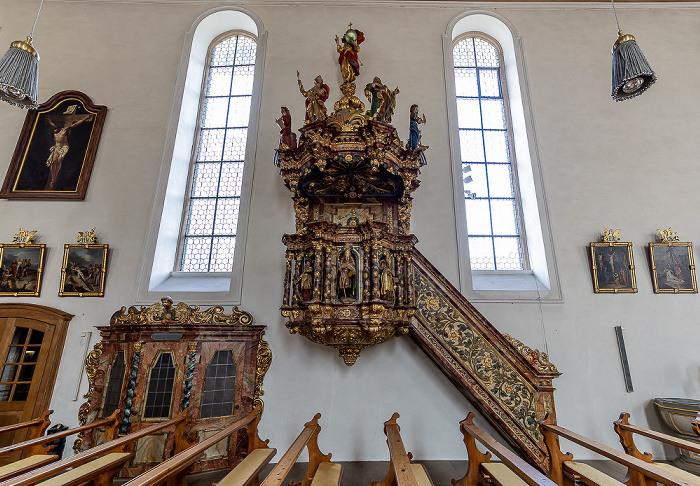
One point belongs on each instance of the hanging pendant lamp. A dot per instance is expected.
(19, 72)
(631, 73)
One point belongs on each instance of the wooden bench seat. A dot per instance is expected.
(513, 471)
(173, 470)
(118, 445)
(25, 465)
(100, 471)
(308, 438)
(625, 430)
(402, 471)
(564, 469)
(328, 474)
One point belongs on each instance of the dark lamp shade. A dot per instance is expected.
(19, 77)
(631, 73)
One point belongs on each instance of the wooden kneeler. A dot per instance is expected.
(402, 471)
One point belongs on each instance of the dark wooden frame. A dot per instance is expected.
(100, 292)
(623, 248)
(28, 164)
(690, 286)
(39, 271)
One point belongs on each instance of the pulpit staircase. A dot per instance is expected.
(508, 382)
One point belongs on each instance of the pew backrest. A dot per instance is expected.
(36, 426)
(552, 431)
(116, 445)
(402, 472)
(515, 464)
(625, 430)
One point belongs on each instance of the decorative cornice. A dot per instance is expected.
(164, 312)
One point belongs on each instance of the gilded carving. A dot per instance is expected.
(164, 312)
(264, 359)
(535, 357)
(91, 365)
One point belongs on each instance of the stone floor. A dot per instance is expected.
(363, 473)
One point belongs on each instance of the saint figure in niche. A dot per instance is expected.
(347, 276)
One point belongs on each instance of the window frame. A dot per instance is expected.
(519, 219)
(540, 283)
(156, 275)
(177, 264)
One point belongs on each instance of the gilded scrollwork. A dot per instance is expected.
(486, 363)
(535, 357)
(263, 360)
(164, 312)
(91, 365)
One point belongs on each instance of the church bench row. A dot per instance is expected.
(99, 463)
(37, 447)
(402, 472)
(565, 470)
(512, 471)
(625, 431)
(36, 426)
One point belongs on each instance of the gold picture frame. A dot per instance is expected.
(672, 268)
(84, 270)
(613, 267)
(21, 269)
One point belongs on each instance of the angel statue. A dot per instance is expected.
(349, 63)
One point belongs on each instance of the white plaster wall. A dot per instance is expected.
(628, 165)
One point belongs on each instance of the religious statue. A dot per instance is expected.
(348, 60)
(415, 135)
(315, 98)
(347, 275)
(303, 286)
(288, 140)
(382, 101)
(386, 280)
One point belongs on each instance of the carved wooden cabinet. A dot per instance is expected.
(155, 362)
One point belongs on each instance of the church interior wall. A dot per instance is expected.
(628, 165)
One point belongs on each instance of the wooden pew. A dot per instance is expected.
(402, 472)
(320, 472)
(577, 472)
(513, 471)
(625, 430)
(39, 453)
(172, 472)
(36, 426)
(99, 463)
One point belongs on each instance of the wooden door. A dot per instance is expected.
(31, 344)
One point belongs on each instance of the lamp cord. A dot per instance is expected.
(37, 18)
(614, 12)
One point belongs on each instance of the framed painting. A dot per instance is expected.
(672, 267)
(613, 267)
(56, 149)
(84, 271)
(21, 267)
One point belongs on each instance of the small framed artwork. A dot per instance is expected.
(56, 149)
(613, 265)
(21, 266)
(672, 267)
(84, 268)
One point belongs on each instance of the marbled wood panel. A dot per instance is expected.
(482, 363)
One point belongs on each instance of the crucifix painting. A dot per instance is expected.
(56, 149)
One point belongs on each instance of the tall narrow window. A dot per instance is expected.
(114, 385)
(492, 201)
(19, 365)
(208, 238)
(219, 386)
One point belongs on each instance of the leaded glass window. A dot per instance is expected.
(20, 364)
(114, 385)
(209, 234)
(219, 386)
(160, 388)
(492, 202)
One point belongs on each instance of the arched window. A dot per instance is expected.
(208, 236)
(492, 201)
(503, 236)
(195, 244)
